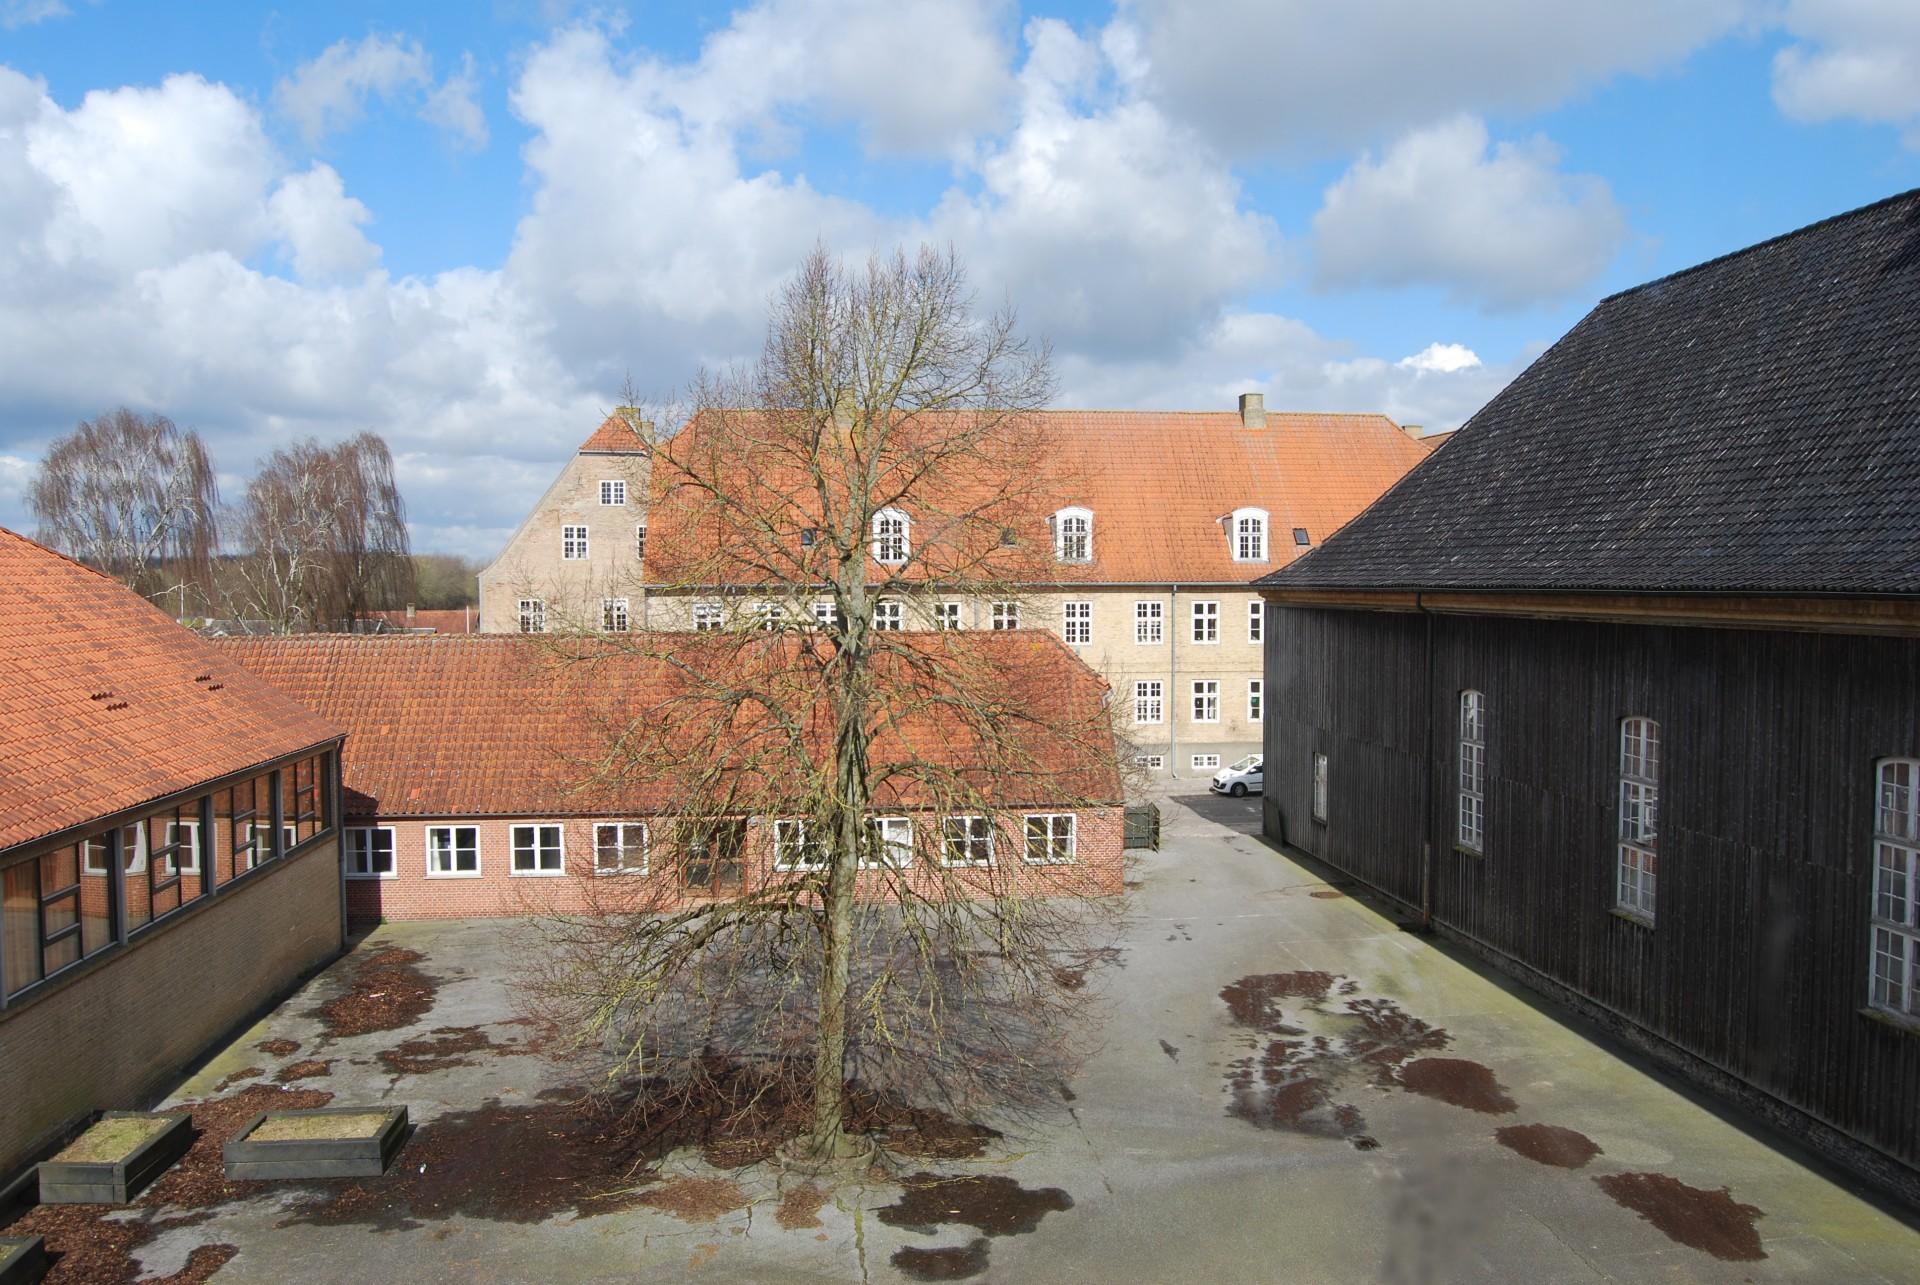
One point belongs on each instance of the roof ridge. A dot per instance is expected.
(67, 557)
(1771, 241)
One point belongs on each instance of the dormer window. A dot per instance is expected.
(1073, 535)
(891, 542)
(1247, 534)
(1301, 538)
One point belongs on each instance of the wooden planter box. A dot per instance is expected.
(23, 1260)
(115, 1182)
(364, 1155)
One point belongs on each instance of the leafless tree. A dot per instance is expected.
(856, 957)
(322, 536)
(135, 496)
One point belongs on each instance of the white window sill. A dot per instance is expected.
(1049, 861)
(799, 870)
(1638, 918)
(615, 872)
(966, 865)
(537, 874)
(374, 878)
(453, 874)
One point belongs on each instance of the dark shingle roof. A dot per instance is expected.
(1748, 425)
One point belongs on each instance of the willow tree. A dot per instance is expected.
(133, 495)
(882, 456)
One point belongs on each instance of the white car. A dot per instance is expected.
(1238, 778)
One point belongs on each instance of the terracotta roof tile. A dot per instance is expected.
(108, 704)
(615, 436)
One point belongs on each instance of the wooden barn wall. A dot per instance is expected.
(1757, 964)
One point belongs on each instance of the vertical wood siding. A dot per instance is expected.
(1757, 963)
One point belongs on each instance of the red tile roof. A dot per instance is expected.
(108, 704)
(1160, 485)
(615, 436)
(494, 725)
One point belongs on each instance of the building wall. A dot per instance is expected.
(120, 1033)
(1177, 662)
(413, 894)
(1754, 975)
(531, 566)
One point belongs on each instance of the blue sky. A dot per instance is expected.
(463, 225)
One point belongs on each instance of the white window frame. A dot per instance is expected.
(1206, 700)
(1203, 762)
(452, 848)
(573, 543)
(355, 860)
(616, 615)
(1149, 698)
(533, 616)
(968, 841)
(1320, 788)
(1893, 934)
(769, 616)
(1151, 762)
(946, 615)
(1247, 531)
(192, 827)
(826, 613)
(889, 616)
(1149, 623)
(893, 836)
(640, 542)
(1637, 852)
(892, 537)
(1076, 626)
(1470, 829)
(613, 492)
(709, 617)
(620, 844)
(1059, 838)
(1204, 621)
(538, 848)
(136, 862)
(791, 836)
(1256, 621)
(1073, 535)
(1006, 616)
(1256, 699)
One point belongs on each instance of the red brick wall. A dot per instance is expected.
(413, 894)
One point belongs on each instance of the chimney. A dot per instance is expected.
(1413, 430)
(843, 408)
(1253, 410)
(644, 427)
(409, 613)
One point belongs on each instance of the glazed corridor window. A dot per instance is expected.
(54, 912)
(620, 847)
(891, 543)
(892, 839)
(370, 852)
(1320, 788)
(1639, 848)
(1079, 623)
(1146, 702)
(453, 850)
(1147, 620)
(1050, 839)
(614, 615)
(537, 850)
(245, 812)
(1073, 535)
(967, 841)
(1895, 981)
(797, 846)
(1206, 622)
(887, 616)
(533, 616)
(1206, 700)
(305, 807)
(707, 617)
(573, 543)
(946, 615)
(613, 493)
(1471, 833)
(1249, 527)
(1006, 615)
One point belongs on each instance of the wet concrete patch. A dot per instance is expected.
(1171, 1050)
(387, 992)
(1704, 1219)
(955, 1263)
(991, 1203)
(441, 1048)
(1077, 965)
(1327, 894)
(1457, 1082)
(1549, 1144)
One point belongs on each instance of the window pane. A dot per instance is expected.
(20, 924)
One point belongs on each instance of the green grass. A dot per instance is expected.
(113, 1139)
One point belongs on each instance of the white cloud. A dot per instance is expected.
(1444, 359)
(25, 13)
(1857, 59)
(320, 225)
(455, 108)
(1503, 227)
(329, 94)
(1265, 75)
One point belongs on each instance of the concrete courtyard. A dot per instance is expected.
(1359, 1105)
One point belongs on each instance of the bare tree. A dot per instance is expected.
(135, 496)
(322, 536)
(882, 452)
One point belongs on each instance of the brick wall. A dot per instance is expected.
(121, 1033)
(411, 893)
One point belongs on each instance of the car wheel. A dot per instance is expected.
(1239, 790)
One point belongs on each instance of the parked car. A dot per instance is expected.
(1238, 778)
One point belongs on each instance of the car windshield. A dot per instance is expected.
(1250, 761)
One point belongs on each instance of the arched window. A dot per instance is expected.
(1247, 535)
(1473, 771)
(892, 541)
(1638, 867)
(1073, 535)
(1894, 983)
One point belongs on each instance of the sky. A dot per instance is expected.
(468, 227)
